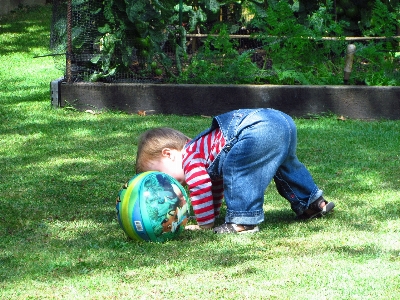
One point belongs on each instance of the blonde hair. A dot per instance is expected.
(153, 141)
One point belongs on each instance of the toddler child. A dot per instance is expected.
(235, 159)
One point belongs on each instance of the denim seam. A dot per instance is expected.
(287, 185)
(232, 213)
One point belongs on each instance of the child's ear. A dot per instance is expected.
(166, 152)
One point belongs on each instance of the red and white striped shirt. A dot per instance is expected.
(206, 194)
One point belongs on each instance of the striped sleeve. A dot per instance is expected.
(218, 195)
(200, 188)
(206, 194)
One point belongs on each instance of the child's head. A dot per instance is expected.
(152, 145)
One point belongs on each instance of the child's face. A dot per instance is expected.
(170, 163)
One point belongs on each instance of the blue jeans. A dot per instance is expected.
(261, 146)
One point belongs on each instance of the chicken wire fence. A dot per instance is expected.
(110, 41)
(83, 48)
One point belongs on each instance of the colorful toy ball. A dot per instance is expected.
(152, 206)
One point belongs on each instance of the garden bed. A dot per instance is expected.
(356, 102)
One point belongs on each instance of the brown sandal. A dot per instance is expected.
(316, 210)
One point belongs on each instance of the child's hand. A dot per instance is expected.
(199, 227)
(207, 226)
(192, 227)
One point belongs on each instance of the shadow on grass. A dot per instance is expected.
(21, 94)
(71, 160)
(65, 170)
(21, 35)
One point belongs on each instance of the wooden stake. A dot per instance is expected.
(351, 49)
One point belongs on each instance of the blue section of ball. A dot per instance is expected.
(138, 222)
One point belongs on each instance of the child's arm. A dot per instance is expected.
(200, 189)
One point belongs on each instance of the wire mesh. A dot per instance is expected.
(85, 50)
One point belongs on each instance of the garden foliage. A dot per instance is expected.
(286, 41)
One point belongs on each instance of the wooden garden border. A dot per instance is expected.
(356, 102)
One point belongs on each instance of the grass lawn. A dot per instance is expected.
(60, 172)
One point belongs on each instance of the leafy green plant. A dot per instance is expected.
(375, 65)
(219, 62)
(130, 38)
(288, 44)
(376, 61)
(382, 21)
